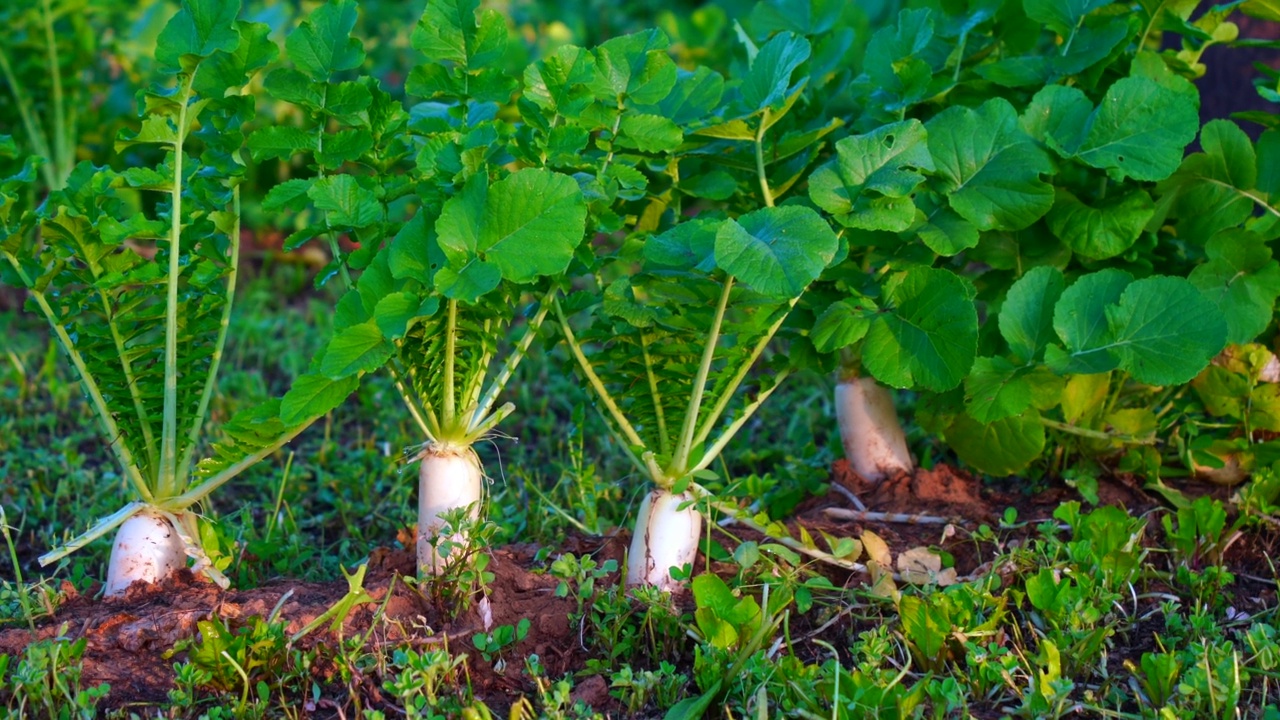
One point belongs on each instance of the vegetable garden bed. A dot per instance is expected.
(895, 359)
(130, 639)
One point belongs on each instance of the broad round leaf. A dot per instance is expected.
(313, 395)
(1140, 130)
(1166, 331)
(524, 226)
(1000, 448)
(357, 349)
(1104, 230)
(842, 324)
(776, 251)
(989, 166)
(927, 335)
(1026, 318)
(869, 183)
(1242, 279)
(1080, 319)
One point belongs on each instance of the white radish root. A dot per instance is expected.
(448, 478)
(869, 429)
(147, 548)
(666, 536)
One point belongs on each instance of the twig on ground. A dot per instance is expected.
(905, 518)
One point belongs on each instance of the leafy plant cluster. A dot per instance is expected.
(990, 203)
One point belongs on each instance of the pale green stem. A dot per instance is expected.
(687, 430)
(964, 37)
(23, 593)
(718, 446)
(1245, 193)
(613, 139)
(765, 192)
(100, 528)
(34, 133)
(1150, 25)
(411, 402)
(450, 347)
(475, 434)
(60, 149)
(624, 426)
(109, 427)
(622, 443)
(334, 249)
(166, 480)
(517, 354)
(211, 380)
(664, 442)
(432, 419)
(722, 402)
(660, 477)
(1096, 434)
(201, 491)
(1066, 47)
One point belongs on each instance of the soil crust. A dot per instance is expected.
(128, 638)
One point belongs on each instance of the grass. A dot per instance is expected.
(1096, 613)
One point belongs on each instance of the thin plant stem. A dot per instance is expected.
(61, 151)
(450, 347)
(624, 426)
(219, 345)
(613, 138)
(144, 421)
(689, 427)
(476, 373)
(427, 407)
(719, 445)
(765, 192)
(275, 513)
(35, 135)
(517, 354)
(411, 402)
(201, 491)
(334, 249)
(166, 480)
(1096, 434)
(100, 528)
(479, 431)
(664, 442)
(722, 402)
(17, 572)
(745, 518)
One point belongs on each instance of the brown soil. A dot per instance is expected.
(127, 638)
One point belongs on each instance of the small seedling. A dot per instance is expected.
(492, 645)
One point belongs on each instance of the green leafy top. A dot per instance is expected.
(436, 292)
(123, 289)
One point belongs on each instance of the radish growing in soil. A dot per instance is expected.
(870, 432)
(122, 317)
(668, 349)
(440, 333)
(883, 317)
(436, 297)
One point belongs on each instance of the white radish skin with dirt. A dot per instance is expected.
(666, 536)
(869, 429)
(147, 548)
(448, 478)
